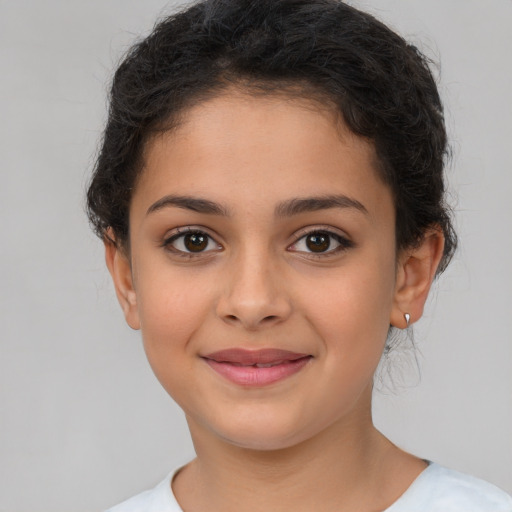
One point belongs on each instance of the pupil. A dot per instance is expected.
(195, 242)
(318, 242)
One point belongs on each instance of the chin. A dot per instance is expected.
(258, 436)
(260, 444)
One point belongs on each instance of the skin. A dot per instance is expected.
(309, 438)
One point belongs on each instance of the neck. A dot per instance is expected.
(349, 466)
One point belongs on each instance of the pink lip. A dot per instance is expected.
(243, 366)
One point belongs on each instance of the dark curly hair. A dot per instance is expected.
(321, 49)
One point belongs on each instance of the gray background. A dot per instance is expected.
(83, 423)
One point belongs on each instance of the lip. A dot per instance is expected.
(256, 367)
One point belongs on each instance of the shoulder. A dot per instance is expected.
(159, 499)
(140, 502)
(467, 492)
(444, 490)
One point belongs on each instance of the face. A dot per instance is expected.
(263, 270)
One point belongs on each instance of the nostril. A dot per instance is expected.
(267, 319)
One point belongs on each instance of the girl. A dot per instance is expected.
(271, 198)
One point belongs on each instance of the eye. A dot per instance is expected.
(191, 242)
(321, 242)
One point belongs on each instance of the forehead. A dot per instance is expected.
(243, 148)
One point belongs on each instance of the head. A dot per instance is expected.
(379, 85)
(289, 66)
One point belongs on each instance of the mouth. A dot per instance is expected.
(256, 367)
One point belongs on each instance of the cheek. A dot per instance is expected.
(171, 310)
(351, 310)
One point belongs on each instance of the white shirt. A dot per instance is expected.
(437, 489)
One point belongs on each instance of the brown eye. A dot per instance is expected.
(191, 242)
(318, 242)
(195, 242)
(321, 243)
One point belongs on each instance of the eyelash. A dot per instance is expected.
(181, 233)
(343, 242)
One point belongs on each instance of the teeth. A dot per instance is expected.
(258, 365)
(267, 365)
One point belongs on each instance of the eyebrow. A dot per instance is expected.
(313, 204)
(287, 208)
(189, 203)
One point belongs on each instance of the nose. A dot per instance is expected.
(255, 294)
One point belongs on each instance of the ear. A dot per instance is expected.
(416, 271)
(119, 266)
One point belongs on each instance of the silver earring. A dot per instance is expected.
(407, 318)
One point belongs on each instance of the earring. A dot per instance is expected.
(407, 319)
